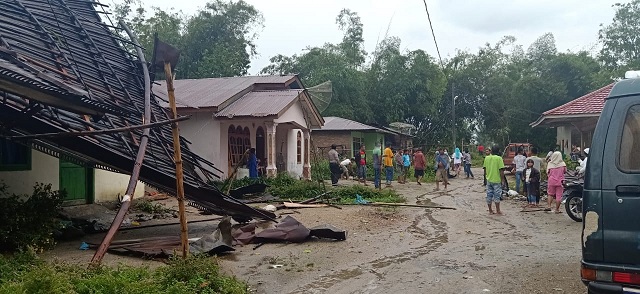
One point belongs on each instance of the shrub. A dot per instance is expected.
(29, 221)
(296, 190)
(347, 194)
(149, 207)
(27, 274)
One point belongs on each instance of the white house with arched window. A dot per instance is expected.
(273, 114)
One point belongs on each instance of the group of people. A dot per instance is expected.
(527, 171)
(389, 162)
(383, 161)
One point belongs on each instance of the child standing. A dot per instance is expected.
(532, 183)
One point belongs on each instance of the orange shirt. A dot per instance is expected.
(387, 157)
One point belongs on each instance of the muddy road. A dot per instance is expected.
(401, 250)
(416, 250)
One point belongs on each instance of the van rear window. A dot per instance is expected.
(629, 157)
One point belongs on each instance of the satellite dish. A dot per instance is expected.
(321, 95)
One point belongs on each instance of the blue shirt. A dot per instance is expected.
(406, 160)
(442, 159)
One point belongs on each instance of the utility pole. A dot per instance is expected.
(453, 112)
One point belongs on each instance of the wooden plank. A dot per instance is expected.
(298, 205)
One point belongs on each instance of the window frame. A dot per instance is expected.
(19, 166)
(621, 138)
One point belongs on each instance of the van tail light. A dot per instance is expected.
(626, 278)
(589, 274)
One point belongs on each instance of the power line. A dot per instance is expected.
(433, 33)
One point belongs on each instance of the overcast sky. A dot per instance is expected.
(291, 26)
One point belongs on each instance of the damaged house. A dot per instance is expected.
(63, 71)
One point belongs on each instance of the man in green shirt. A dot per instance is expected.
(494, 173)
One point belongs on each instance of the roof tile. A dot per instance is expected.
(260, 103)
(212, 92)
(587, 104)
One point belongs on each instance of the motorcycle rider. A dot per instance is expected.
(583, 162)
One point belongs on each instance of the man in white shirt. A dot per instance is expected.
(583, 162)
(345, 165)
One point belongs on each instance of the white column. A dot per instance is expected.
(306, 168)
(272, 170)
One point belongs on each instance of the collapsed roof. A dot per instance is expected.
(62, 69)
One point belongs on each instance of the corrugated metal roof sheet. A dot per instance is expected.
(588, 104)
(212, 92)
(260, 103)
(332, 123)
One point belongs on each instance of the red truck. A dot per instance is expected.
(510, 153)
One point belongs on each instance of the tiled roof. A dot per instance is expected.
(591, 103)
(260, 103)
(196, 93)
(332, 123)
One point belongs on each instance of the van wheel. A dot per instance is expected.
(573, 206)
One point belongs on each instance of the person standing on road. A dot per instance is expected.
(520, 162)
(406, 163)
(419, 164)
(387, 160)
(555, 173)
(494, 173)
(466, 158)
(532, 183)
(377, 165)
(334, 165)
(361, 161)
(399, 162)
(442, 161)
(457, 161)
(537, 164)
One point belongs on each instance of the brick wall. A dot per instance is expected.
(322, 141)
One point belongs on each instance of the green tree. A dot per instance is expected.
(218, 41)
(621, 39)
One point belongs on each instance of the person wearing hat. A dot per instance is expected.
(334, 165)
(583, 162)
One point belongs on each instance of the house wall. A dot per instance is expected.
(563, 138)
(293, 166)
(109, 184)
(322, 140)
(204, 133)
(209, 137)
(370, 140)
(44, 169)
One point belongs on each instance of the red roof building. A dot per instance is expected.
(575, 120)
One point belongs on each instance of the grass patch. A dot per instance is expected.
(26, 273)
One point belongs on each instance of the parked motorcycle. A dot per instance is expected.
(572, 196)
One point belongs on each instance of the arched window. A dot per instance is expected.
(299, 146)
(239, 142)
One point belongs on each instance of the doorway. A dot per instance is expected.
(77, 181)
(261, 146)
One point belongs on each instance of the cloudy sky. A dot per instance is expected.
(291, 26)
